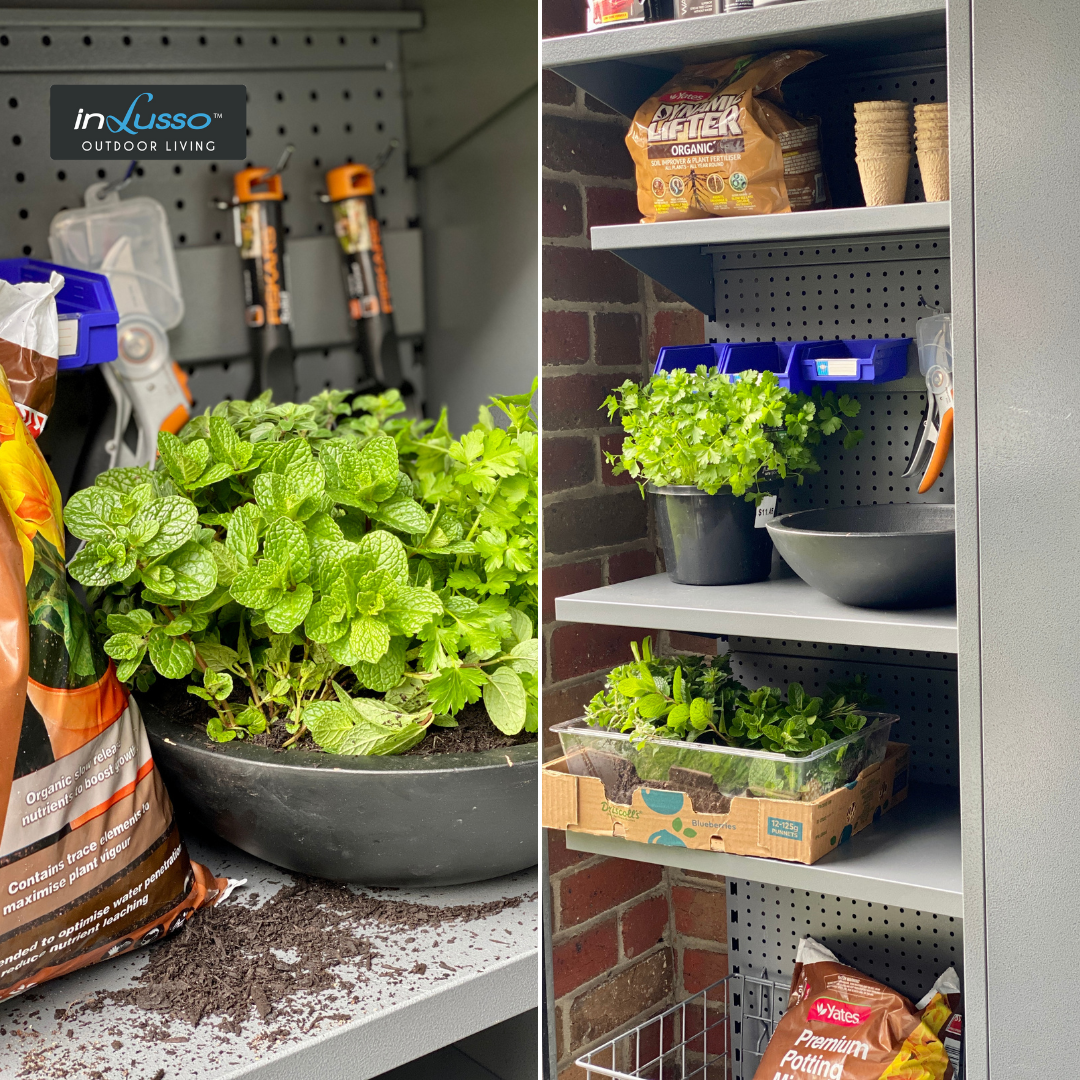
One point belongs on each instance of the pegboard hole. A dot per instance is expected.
(13, 103)
(374, 39)
(239, 39)
(314, 95)
(164, 39)
(127, 40)
(273, 39)
(27, 249)
(61, 175)
(307, 40)
(202, 39)
(4, 39)
(20, 177)
(341, 40)
(177, 169)
(346, 94)
(46, 41)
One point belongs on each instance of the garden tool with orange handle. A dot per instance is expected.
(933, 336)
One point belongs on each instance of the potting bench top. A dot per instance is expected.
(420, 990)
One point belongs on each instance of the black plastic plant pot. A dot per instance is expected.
(710, 539)
(436, 820)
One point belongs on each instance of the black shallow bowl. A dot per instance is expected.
(899, 555)
(437, 820)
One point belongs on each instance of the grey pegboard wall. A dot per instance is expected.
(329, 83)
(903, 948)
(919, 687)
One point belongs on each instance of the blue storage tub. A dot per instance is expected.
(876, 360)
(85, 301)
(733, 357)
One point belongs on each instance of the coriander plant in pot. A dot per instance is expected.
(712, 451)
(328, 613)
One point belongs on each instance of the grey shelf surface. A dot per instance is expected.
(807, 227)
(679, 253)
(399, 1016)
(909, 858)
(783, 608)
(622, 67)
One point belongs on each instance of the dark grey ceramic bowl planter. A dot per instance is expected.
(439, 820)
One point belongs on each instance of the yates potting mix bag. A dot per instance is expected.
(30, 346)
(843, 1025)
(704, 145)
(91, 862)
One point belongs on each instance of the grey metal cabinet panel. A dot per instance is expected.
(1025, 77)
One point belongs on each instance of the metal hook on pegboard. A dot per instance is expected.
(117, 185)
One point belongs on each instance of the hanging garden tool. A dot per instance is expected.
(128, 241)
(351, 194)
(258, 220)
(933, 335)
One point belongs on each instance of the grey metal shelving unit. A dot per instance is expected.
(424, 990)
(781, 608)
(976, 868)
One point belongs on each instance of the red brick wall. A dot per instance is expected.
(629, 938)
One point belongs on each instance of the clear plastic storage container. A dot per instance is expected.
(129, 241)
(713, 773)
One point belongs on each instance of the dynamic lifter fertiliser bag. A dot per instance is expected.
(91, 862)
(843, 1025)
(715, 141)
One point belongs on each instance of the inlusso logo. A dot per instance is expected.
(164, 122)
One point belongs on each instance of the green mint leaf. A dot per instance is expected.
(260, 586)
(102, 564)
(325, 623)
(410, 610)
(125, 480)
(227, 446)
(387, 673)
(329, 722)
(373, 741)
(387, 553)
(521, 627)
(505, 700)
(213, 475)
(175, 521)
(194, 572)
(125, 646)
(526, 656)
(125, 671)
(172, 657)
(289, 612)
(89, 513)
(217, 657)
(219, 684)
(286, 545)
(243, 533)
(135, 621)
(405, 515)
(369, 638)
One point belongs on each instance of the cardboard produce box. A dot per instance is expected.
(773, 828)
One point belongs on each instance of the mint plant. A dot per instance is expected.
(697, 700)
(698, 429)
(330, 566)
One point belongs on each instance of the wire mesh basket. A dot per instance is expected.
(718, 1034)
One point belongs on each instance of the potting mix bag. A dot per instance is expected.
(704, 145)
(843, 1025)
(30, 346)
(91, 862)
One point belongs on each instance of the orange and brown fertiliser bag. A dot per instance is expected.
(705, 145)
(91, 862)
(843, 1025)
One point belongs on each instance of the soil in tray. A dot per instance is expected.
(620, 780)
(474, 732)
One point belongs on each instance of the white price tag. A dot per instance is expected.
(766, 511)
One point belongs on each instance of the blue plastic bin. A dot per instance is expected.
(876, 360)
(85, 298)
(733, 357)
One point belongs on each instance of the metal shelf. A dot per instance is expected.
(485, 973)
(679, 253)
(784, 608)
(909, 858)
(623, 67)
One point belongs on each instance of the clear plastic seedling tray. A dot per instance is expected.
(718, 1034)
(710, 773)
